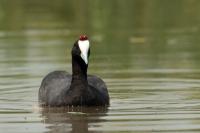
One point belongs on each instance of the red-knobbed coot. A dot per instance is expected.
(59, 88)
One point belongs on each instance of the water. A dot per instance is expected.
(147, 52)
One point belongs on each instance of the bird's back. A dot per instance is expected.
(99, 89)
(54, 87)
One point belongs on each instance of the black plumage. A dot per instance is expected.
(59, 88)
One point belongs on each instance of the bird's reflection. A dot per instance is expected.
(72, 119)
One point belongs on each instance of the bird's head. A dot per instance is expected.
(82, 48)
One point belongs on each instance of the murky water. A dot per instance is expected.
(146, 51)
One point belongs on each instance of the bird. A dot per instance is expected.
(59, 88)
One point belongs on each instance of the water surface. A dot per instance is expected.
(147, 52)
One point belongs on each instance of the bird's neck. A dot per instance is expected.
(79, 69)
(79, 83)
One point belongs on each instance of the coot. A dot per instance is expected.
(59, 88)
